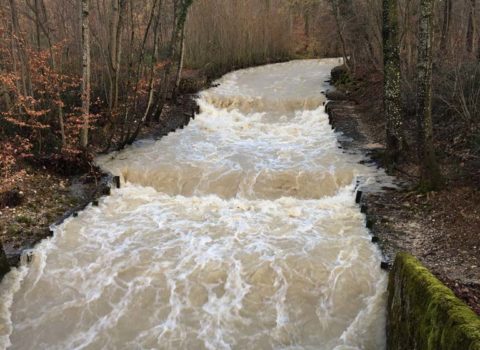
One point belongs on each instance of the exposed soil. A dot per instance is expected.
(45, 198)
(38, 196)
(441, 228)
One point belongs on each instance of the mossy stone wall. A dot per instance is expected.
(423, 314)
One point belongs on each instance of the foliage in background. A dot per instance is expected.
(456, 56)
(225, 35)
(138, 52)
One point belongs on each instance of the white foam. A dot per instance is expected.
(237, 232)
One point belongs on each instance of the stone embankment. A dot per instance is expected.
(423, 314)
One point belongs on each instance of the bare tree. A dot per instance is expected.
(335, 5)
(115, 53)
(18, 43)
(430, 171)
(447, 19)
(85, 72)
(471, 27)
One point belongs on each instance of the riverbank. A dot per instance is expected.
(440, 228)
(37, 196)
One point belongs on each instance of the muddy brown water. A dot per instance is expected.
(238, 232)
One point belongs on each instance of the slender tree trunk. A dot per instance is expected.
(40, 5)
(114, 20)
(85, 72)
(37, 24)
(430, 177)
(336, 15)
(115, 50)
(151, 83)
(478, 48)
(181, 62)
(391, 88)
(6, 97)
(447, 19)
(169, 78)
(14, 60)
(155, 19)
(471, 28)
(306, 19)
(19, 45)
(118, 52)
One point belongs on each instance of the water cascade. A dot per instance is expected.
(237, 232)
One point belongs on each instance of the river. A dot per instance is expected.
(238, 232)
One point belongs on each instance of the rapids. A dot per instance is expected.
(237, 232)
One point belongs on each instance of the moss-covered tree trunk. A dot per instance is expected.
(391, 88)
(429, 170)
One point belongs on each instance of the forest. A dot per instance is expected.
(74, 84)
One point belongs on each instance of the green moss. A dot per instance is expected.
(424, 314)
(14, 229)
(23, 219)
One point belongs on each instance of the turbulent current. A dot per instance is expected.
(238, 232)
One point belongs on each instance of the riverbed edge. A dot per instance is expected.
(178, 114)
(422, 312)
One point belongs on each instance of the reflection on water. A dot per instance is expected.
(238, 232)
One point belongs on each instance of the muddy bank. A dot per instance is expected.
(440, 228)
(38, 196)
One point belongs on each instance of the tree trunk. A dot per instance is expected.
(430, 177)
(447, 19)
(391, 87)
(471, 28)
(37, 25)
(336, 15)
(478, 48)
(46, 30)
(19, 45)
(169, 77)
(118, 18)
(155, 20)
(85, 72)
(180, 64)
(114, 19)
